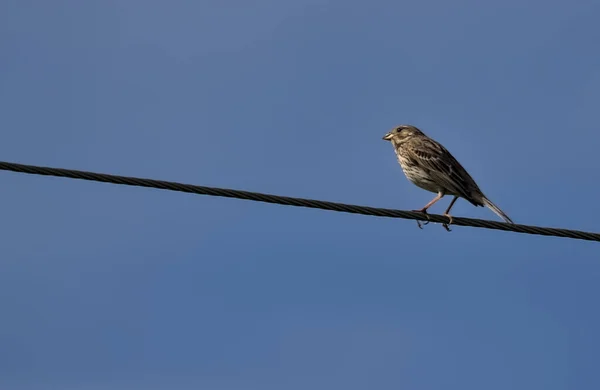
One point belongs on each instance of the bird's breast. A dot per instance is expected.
(417, 174)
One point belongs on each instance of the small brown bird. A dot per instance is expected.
(430, 166)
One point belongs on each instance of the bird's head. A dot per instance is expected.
(402, 132)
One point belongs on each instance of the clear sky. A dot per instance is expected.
(113, 287)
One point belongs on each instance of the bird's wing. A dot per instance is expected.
(444, 169)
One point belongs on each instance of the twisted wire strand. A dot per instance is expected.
(298, 202)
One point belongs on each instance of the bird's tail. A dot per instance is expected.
(488, 203)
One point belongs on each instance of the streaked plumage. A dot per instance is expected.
(427, 164)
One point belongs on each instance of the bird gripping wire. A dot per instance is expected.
(298, 202)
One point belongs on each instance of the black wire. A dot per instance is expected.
(298, 202)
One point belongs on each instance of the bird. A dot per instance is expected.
(430, 166)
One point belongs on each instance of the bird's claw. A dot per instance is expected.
(445, 225)
(419, 222)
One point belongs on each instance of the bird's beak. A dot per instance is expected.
(388, 136)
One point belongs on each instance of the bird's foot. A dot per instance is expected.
(424, 211)
(445, 225)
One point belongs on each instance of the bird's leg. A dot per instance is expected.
(447, 214)
(439, 196)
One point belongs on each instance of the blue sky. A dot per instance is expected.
(113, 287)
